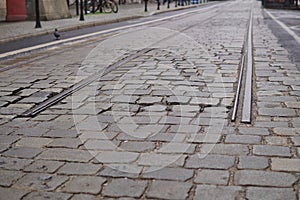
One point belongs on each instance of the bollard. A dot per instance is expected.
(81, 11)
(37, 15)
(77, 7)
(146, 2)
(85, 7)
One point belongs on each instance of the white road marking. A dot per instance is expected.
(285, 27)
(28, 49)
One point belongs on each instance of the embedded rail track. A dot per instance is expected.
(244, 86)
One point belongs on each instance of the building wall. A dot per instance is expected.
(2, 10)
(49, 9)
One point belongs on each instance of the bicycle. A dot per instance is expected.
(106, 6)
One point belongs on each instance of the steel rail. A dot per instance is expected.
(55, 99)
(238, 90)
(247, 101)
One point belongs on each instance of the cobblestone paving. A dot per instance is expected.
(157, 127)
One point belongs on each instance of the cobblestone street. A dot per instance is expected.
(154, 119)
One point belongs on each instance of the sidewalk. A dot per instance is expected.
(12, 31)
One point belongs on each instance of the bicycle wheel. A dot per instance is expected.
(114, 6)
(107, 7)
(90, 6)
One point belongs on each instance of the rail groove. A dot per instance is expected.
(246, 67)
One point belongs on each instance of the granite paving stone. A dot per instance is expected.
(175, 174)
(253, 162)
(62, 154)
(124, 187)
(218, 177)
(43, 166)
(169, 190)
(23, 152)
(285, 164)
(264, 178)
(47, 195)
(254, 193)
(268, 150)
(207, 192)
(9, 177)
(84, 184)
(12, 193)
(210, 161)
(40, 181)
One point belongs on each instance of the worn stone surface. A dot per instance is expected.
(124, 187)
(207, 192)
(157, 126)
(270, 193)
(263, 178)
(168, 190)
(86, 184)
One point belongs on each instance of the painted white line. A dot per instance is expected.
(287, 29)
(28, 49)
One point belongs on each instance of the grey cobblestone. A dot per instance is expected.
(116, 157)
(40, 181)
(177, 148)
(207, 192)
(224, 149)
(243, 139)
(210, 161)
(253, 131)
(287, 131)
(218, 177)
(121, 171)
(47, 195)
(264, 178)
(254, 193)
(22, 152)
(79, 169)
(267, 150)
(84, 184)
(285, 164)
(14, 163)
(9, 177)
(125, 187)
(43, 166)
(252, 162)
(152, 159)
(61, 154)
(12, 193)
(169, 190)
(175, 174)
(137, 146)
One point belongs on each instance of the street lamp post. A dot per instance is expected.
(81, 11)
(37, 15)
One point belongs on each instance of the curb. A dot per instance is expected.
(91, 24)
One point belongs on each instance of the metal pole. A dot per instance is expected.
(146, 2)
(81, 11)
(77, 7)
(158, 4)
(85, 7)
(100, 6)
(93, 4)
(37, 15)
